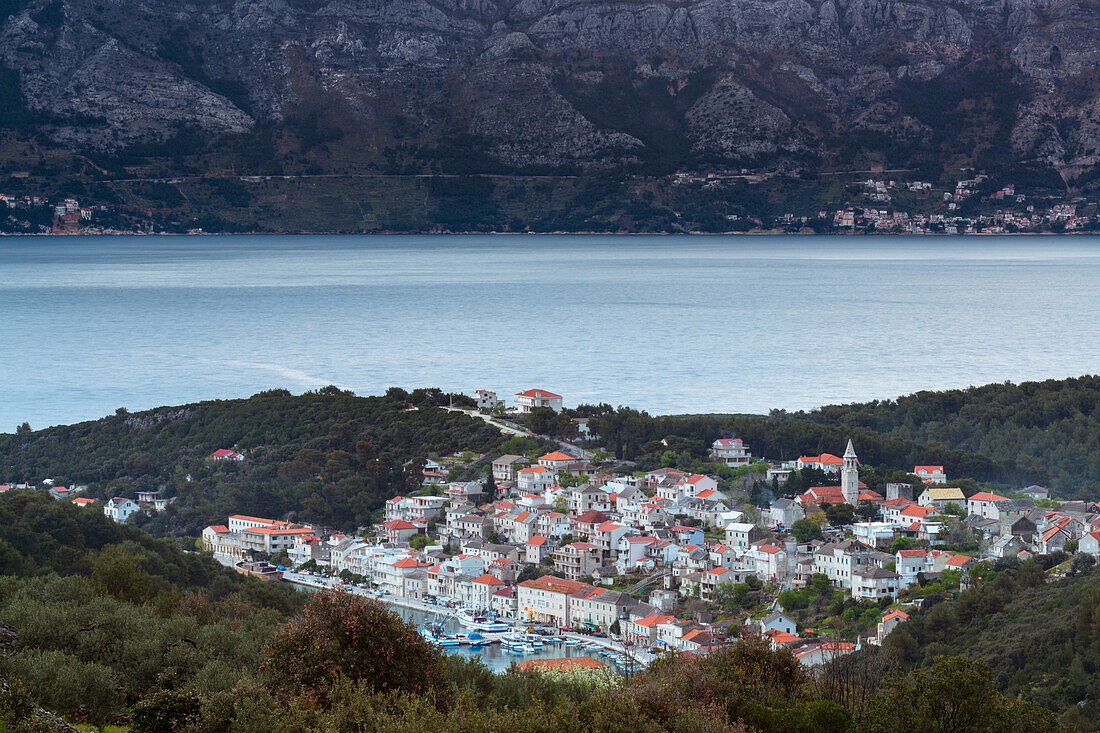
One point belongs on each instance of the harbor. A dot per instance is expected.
(498, 650)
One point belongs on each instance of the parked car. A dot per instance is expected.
(567, 628)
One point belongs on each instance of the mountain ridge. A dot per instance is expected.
(539, 85)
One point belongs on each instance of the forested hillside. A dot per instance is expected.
(1041, 639)
(1047, 430)
(667, 440)
(103, 624)
(103, 613)
(327, 456)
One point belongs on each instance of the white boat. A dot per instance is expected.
(533, 639)
(572, 643)
(436, 635)
(480, 622)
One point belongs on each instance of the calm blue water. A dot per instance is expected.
(669, 324)
(493, 656)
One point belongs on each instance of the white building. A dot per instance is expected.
(533, 398)
(731, 451)
(535, 479)
(931, 474)
(120, 510)
(983, 504)
(487, 401)
(874, 584)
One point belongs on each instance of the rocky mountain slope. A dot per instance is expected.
(572, 84)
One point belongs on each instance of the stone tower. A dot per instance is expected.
(849, 476)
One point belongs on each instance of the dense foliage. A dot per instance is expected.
(684, 440)
(1003, 434)
(103, 613)
(113, 625)
(1041, 639)
(326, 457)
(1046, 431)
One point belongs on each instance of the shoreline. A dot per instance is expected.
(641, 657)
(435, 233)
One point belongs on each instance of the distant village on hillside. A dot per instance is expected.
(661, 559)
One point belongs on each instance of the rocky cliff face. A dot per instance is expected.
(553, 83)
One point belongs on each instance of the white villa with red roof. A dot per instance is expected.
(931, 474)
(983, 504)
(535, 479)
(532, 398)
(731, 451)
(399, 530)
(224, 454)
(556, 461)
(826, 462)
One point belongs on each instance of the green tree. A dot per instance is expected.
(166, 710)
(840, 514)
(954, 695)
(343, 636)
(805, 530)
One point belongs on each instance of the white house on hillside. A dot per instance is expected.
(533, 398)
(120, 509)
(731, 451)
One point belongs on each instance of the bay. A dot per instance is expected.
(668, 324)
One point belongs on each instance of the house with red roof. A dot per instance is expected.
(535, 479)
(643, 631)
(547, 599)
(910, 563)
(388, 571)
(960, 562)
(930, 474)
(83, 501)
(538, 548)
(821, 654)
(709, 580)
(984, 504)
(782, 640)
(529, 399)
(1090, 543)
(1053, 539)
(224, 454)
(772, 561)
(826, 462)
(503, 601)
(399, 530)
(731, 451)
(586, 523)
(888, 623)
(556, 461)
(478, 592)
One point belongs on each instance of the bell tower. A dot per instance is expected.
(849, 476)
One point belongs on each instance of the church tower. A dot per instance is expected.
(849, 476)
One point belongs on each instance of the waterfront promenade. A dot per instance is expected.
(640, 656)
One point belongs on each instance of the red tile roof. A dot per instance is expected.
(537, 393)
(557, 456)
(562, 664)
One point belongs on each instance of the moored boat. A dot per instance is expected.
(480, 622)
